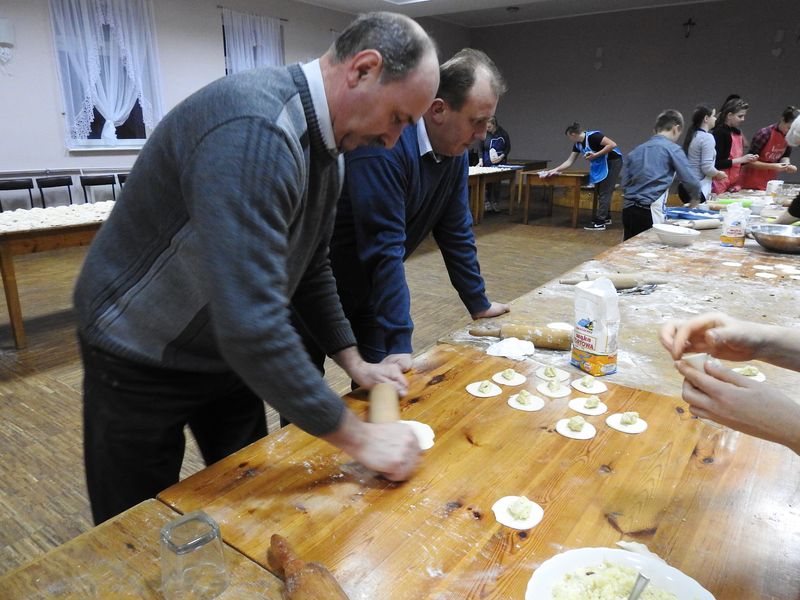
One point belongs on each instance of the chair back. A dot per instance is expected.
(88, 181)
(122, 178)
(17, 184)
(51, 182)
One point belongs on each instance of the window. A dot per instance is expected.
(251, 41)
(108, 70)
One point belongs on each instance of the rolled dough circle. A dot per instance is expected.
(518, 379)
(561, 374)
(536, 404)
(613, 421)
(500, 509)
(493, 390)
(577, 404)
(597, 387)
(587, 433)
(423, 432)
(561, 392)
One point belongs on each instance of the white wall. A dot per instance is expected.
(189, 38)
(648, 65)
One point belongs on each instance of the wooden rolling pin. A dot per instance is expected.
(304, 580)
(621, 281)
(542, 336)
(384, 406)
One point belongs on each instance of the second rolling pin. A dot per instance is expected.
(542, 336)
(621, 281)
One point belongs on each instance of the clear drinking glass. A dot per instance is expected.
(192, 558)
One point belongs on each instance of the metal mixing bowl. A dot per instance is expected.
(778, 238)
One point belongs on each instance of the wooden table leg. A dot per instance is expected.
(481, 199)
(576, 202)
(473, 202)
(12, 296)
(527, 199)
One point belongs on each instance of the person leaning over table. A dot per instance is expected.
(729, 143)
(495, 147)
(649, 171)
(183, 299)
(724, 396)
(792, 213)
(394, 198)
(605, 161)
(769, 144)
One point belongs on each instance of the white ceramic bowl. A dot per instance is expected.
(673, 235)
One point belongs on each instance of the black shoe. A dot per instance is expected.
(595, 227)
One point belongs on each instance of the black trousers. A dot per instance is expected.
(133, 420)
(635, 220)
(605, 191)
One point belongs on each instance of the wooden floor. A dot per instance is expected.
(42, 492)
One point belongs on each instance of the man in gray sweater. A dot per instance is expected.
(183, 301)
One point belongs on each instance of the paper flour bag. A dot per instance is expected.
(594, 340)
(734, 225)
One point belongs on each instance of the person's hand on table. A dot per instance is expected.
(733, 400)
(789, 168)
(391, 449)
(367, 375)
(401, 360)
(495, 309)
(715, 333)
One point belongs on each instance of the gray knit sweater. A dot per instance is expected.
(224, 220)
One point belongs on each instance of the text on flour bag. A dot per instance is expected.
(594, 339)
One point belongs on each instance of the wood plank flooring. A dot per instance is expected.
(42, 492)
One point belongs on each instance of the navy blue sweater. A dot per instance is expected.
(392, 200)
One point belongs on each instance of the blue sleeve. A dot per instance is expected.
(376, 184)
(453, 234)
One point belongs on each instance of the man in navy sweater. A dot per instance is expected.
(393, 198)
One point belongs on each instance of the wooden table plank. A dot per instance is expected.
(572, 181)
(681, 488)
(120, 559)
(700, 282)
(27, 242)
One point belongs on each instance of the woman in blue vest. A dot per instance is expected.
(605, 163)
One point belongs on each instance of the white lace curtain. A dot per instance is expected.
(251, 41)
(107, 60)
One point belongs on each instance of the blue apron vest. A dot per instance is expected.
(598, 168)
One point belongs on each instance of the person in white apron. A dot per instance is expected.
(605, 164)
(649, 171)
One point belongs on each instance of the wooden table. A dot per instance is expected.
(571, 181)
(719, 505)
(119, 559)
(480, 177)
(699, 283)
(27, 239)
